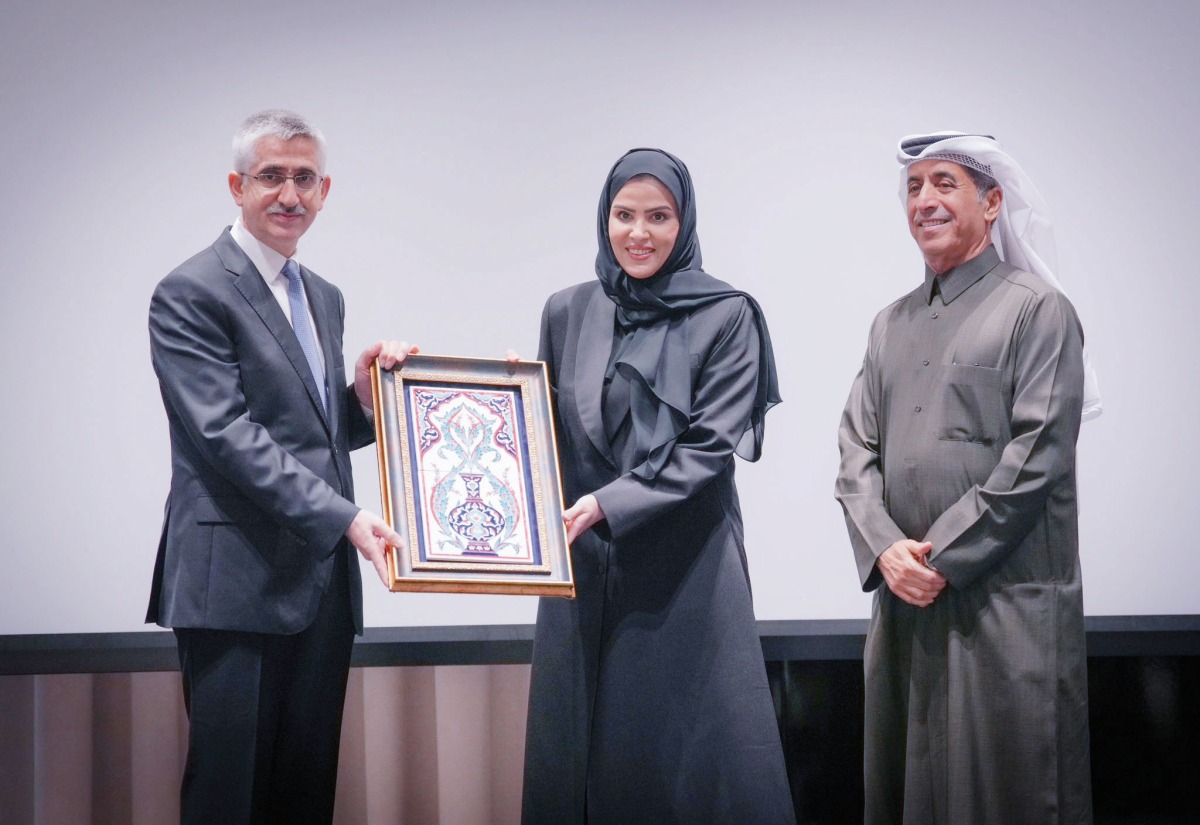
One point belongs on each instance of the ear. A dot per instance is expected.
(324, 192)
(993, 200)
(236, 182)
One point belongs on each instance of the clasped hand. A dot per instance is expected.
(907, 575)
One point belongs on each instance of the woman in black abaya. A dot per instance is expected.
(649, 699)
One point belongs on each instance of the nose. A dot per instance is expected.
(289, 195)
(639, 230)
(924, 197)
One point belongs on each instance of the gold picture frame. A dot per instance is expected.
(469, 477)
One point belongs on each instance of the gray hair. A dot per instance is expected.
(278, 123)
(912, 150)
(983, 182)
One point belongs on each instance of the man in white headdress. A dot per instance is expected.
(958, 484)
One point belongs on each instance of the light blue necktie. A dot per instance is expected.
(302, 325)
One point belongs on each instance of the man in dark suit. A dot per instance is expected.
(256, 570)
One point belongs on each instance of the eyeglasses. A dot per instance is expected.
(271, 181)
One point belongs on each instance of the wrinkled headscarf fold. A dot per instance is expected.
(1023, 232)
(654, 353)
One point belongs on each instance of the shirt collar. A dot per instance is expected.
(954, 282)
(266, 260)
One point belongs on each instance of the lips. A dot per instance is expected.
(931, 224)
(287, 220)
(639, 252)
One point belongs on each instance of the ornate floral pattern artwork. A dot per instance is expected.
(470, 473)
(469, 477)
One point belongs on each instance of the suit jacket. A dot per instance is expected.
(261, 486)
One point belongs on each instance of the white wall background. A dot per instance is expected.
(468, 143)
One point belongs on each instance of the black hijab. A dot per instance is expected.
(654, 353)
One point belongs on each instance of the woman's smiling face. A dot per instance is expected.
(643, 224)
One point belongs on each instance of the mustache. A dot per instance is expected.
(279, 209)
(939, 215)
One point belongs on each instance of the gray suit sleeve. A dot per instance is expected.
(196, 357)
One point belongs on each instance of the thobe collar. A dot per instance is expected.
(954, 282)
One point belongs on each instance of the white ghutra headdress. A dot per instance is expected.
(1023, 232)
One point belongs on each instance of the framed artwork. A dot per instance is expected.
(468, 471)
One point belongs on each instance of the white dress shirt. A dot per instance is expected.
(269, 264)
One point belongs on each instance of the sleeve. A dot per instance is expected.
(723, 400)
(362, 421)
(361, 429)
(992, 519)
(546, 343)
(194, 350)
(859, 485)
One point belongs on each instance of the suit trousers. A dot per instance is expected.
(265, 716)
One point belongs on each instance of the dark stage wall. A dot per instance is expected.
(1145, 729)
(1143, 676)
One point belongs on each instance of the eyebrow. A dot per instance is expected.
(938, 175)
(280, 169)
(666, 207)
